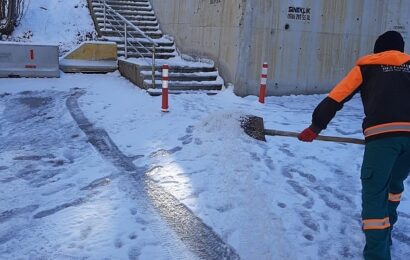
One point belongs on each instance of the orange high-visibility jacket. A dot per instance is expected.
(383, 80)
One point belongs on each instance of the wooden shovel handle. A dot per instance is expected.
(320, 137)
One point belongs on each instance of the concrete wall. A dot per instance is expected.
(309, 44)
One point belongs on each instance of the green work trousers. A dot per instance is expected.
(386, 164)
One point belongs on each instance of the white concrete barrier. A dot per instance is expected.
(28, 60)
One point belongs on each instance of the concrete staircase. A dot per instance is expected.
(143, 31)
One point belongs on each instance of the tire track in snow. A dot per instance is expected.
(191, 231)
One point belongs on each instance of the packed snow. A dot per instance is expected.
(83, 156)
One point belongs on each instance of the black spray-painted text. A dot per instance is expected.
(299, 13)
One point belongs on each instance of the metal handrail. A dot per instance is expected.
(113, 14)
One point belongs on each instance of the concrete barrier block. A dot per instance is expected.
(28, 60)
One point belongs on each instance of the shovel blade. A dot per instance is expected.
(253, 126)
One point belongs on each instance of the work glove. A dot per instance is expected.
(307, 135)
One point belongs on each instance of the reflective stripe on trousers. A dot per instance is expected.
(376, 223)
(395, 197)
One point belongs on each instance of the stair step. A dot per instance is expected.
(143, 18)
(180, 69)
(120, 8)
(154, 35)
(186, 85)
(120, 47)
(131, 17)
(199, 76)
(124, 1)
(158, 92)
(126, 12)
(150, 29)
(143, 41)
(123, 4)
(138, 23)
(146, 30)
(131, 54)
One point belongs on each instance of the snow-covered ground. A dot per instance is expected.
(61, 22)
(90, 168)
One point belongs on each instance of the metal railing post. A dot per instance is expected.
(105, 16)
(153, 66)
(125, 41)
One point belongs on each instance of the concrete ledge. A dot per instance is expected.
(131, 71)
(91, 57)
(75, 66)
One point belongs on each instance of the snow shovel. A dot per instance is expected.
(253, 126)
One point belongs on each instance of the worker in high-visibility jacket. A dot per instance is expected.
(383, 81)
